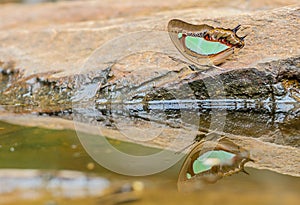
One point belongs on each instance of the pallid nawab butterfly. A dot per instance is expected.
(204, 44)
(209, 161)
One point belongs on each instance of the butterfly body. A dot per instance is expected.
(204, 44)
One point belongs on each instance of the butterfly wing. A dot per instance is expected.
(221, 57)
(192, 42)
(187, 180)
(209, 161)
(178, 29)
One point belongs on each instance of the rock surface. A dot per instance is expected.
(63, 47)
(89, 55)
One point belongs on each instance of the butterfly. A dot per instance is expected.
(204, 44)
(210, 161)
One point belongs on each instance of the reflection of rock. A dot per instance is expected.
(124, 193)
(34, 184)
(65, 185)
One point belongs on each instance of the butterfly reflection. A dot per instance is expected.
(210, 161)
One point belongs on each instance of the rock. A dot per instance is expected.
(35, 16)
(86, 66)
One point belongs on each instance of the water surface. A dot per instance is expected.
(49, 151)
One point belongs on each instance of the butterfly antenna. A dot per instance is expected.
(236, 28)
(243, 37)
(199, 137)
(243, 170)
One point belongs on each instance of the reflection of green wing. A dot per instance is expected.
(201, 165)
(204, 47)
(220, 154)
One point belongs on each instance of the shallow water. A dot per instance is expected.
(38, 154)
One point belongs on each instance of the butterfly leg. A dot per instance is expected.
(196, 66)
(217, 67)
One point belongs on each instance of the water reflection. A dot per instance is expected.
(43, 149)
(62, 184)
(251, 118)
(210, 161)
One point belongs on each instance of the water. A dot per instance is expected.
(37, 159)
